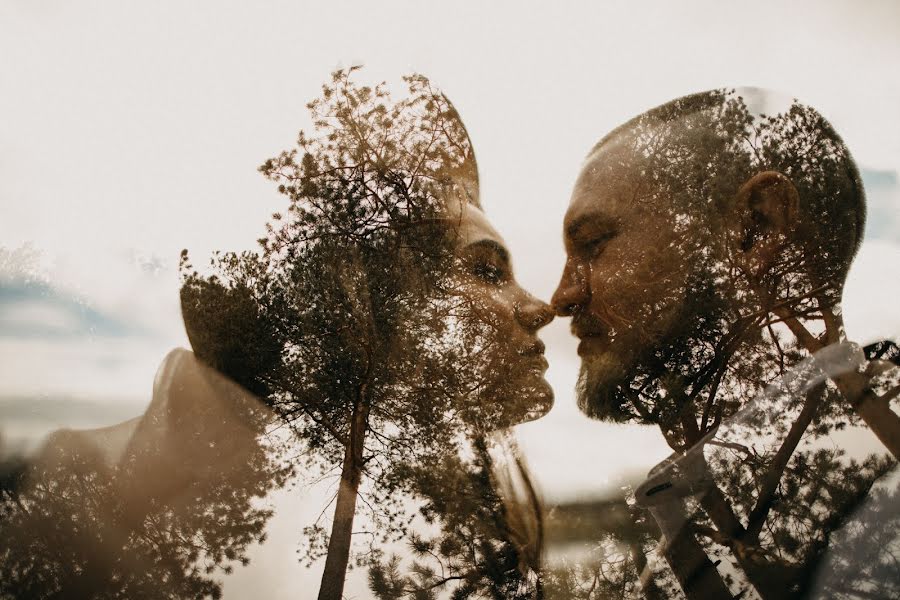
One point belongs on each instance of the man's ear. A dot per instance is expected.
(765, 215)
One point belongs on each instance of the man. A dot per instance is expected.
(707, 246)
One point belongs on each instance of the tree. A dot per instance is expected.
(862, 558)
(481, 530)
(354, 285)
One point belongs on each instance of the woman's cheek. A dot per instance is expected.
(508, 298)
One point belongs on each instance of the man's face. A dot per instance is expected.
(625, 278)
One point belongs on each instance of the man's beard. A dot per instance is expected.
(623, 381)
(599, 390)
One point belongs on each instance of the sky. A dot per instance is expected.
(131, 130)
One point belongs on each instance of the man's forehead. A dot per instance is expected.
(601, 187)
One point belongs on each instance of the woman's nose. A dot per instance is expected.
(533, 313)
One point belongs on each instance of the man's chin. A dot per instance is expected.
(599, 389)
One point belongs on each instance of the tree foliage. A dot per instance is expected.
(712, 326)
(362, 335)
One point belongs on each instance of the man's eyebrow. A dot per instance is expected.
(597, 221)
(491, 245)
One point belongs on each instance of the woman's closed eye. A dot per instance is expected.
(489, 272)
(488, 261)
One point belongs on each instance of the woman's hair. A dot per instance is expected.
(463, 174)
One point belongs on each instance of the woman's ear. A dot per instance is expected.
(765, 216)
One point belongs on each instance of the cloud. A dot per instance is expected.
(35, 309)
(871, 292)
(883, 204)
(93, 326)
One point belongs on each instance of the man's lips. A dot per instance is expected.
(594, 336)
(583, 330)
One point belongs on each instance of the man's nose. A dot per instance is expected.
(572, 292)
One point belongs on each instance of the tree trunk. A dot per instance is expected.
(338, 557)
(649, 587)
(696, 574)
(769, 582)
(875, 412)
(884, 422)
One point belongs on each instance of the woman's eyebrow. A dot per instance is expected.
(491, 246)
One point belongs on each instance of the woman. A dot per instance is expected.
(478, 494)
(382, 323)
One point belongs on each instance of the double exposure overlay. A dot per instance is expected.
(708, 241)
(376, 339)
(380, 325)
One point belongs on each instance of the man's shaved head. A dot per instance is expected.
(724, 137)
(685, 220)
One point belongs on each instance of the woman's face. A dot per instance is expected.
(508, 355)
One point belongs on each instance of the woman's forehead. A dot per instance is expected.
(472, 224)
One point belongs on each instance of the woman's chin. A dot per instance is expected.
(537, 400)
(522, 400)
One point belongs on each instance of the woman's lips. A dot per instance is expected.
(539, 363)
(535, 348)
(532, 358)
